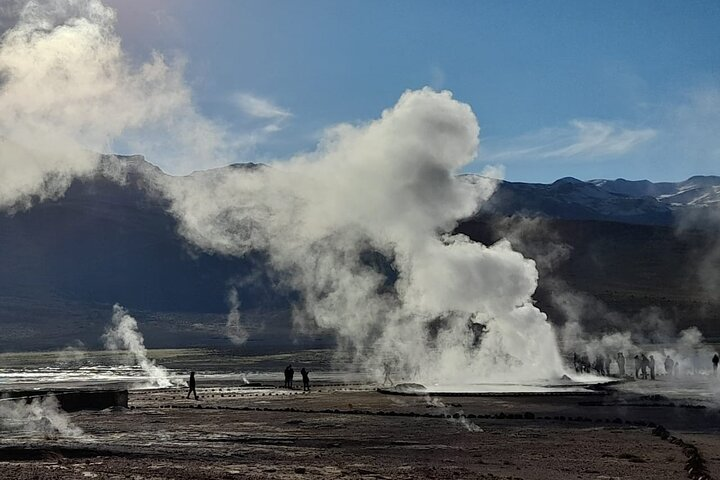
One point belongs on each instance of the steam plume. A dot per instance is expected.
(387, 187)
(123, 334)
(68, 90)
(234, 330)
(41, 416)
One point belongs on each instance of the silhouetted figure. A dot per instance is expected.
(291, 373)
(608, 360)
(637, 366)
(306, 379)
(669, 366)
(191, 385)
(621, 364)
(715, 361)
(576, 365)
(652, 367)
(387, 370)
(585, 363)
(644, 364)
(287, 377)
(600, 365)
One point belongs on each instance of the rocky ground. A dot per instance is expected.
(352, 431)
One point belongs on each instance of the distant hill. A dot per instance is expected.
(572, 199)
(698, 191)
(65, 262)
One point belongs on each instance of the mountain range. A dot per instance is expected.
(636, 202)
(65, 262)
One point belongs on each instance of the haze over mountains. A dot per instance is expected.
(612, 246)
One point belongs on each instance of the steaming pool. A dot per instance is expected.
(231, 369)
(585, 386)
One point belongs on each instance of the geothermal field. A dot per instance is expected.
(270, 239)
(246, 424)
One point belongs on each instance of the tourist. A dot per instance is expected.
(644, 364)
(652, 367)
(715, 361)
(287, 376)
(575, 363)
(305, 379)
(637, 366)
(621, 364)
(191, 385)
(669, 366)
(387, 369)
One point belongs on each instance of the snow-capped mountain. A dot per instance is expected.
(637, 202)
(698, 191)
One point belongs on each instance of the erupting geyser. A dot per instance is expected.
(389, 189)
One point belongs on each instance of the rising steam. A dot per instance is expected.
(388, 187)
(360, 230)
(123, 334)
(233, 328)
(68, 91)
(41, 416)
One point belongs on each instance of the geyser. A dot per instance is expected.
(445, 309)
(124, 334)
(452, 310)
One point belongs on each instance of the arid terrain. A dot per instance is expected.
(353, 431)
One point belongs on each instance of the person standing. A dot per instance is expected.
(287, 376)
(637, 366)
(652, 367)
(669, 365)
(305, 379)
(644, 364)
(621, 364)
(715, 361)
(191, 385)
(575, 363)
(291, 374)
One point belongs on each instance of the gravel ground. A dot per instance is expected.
(354, 432)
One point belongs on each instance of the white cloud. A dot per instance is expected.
(259, 107)
(580, 140)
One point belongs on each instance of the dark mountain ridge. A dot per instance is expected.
(65, 262)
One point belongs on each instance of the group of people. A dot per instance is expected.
(290, 373)
(644, 365)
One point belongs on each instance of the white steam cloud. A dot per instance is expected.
(41, 416)
(123, 334)
(68, 91)
(233, 328)
(388, 187)
(361, 229)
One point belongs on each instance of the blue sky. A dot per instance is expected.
(565, 88)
